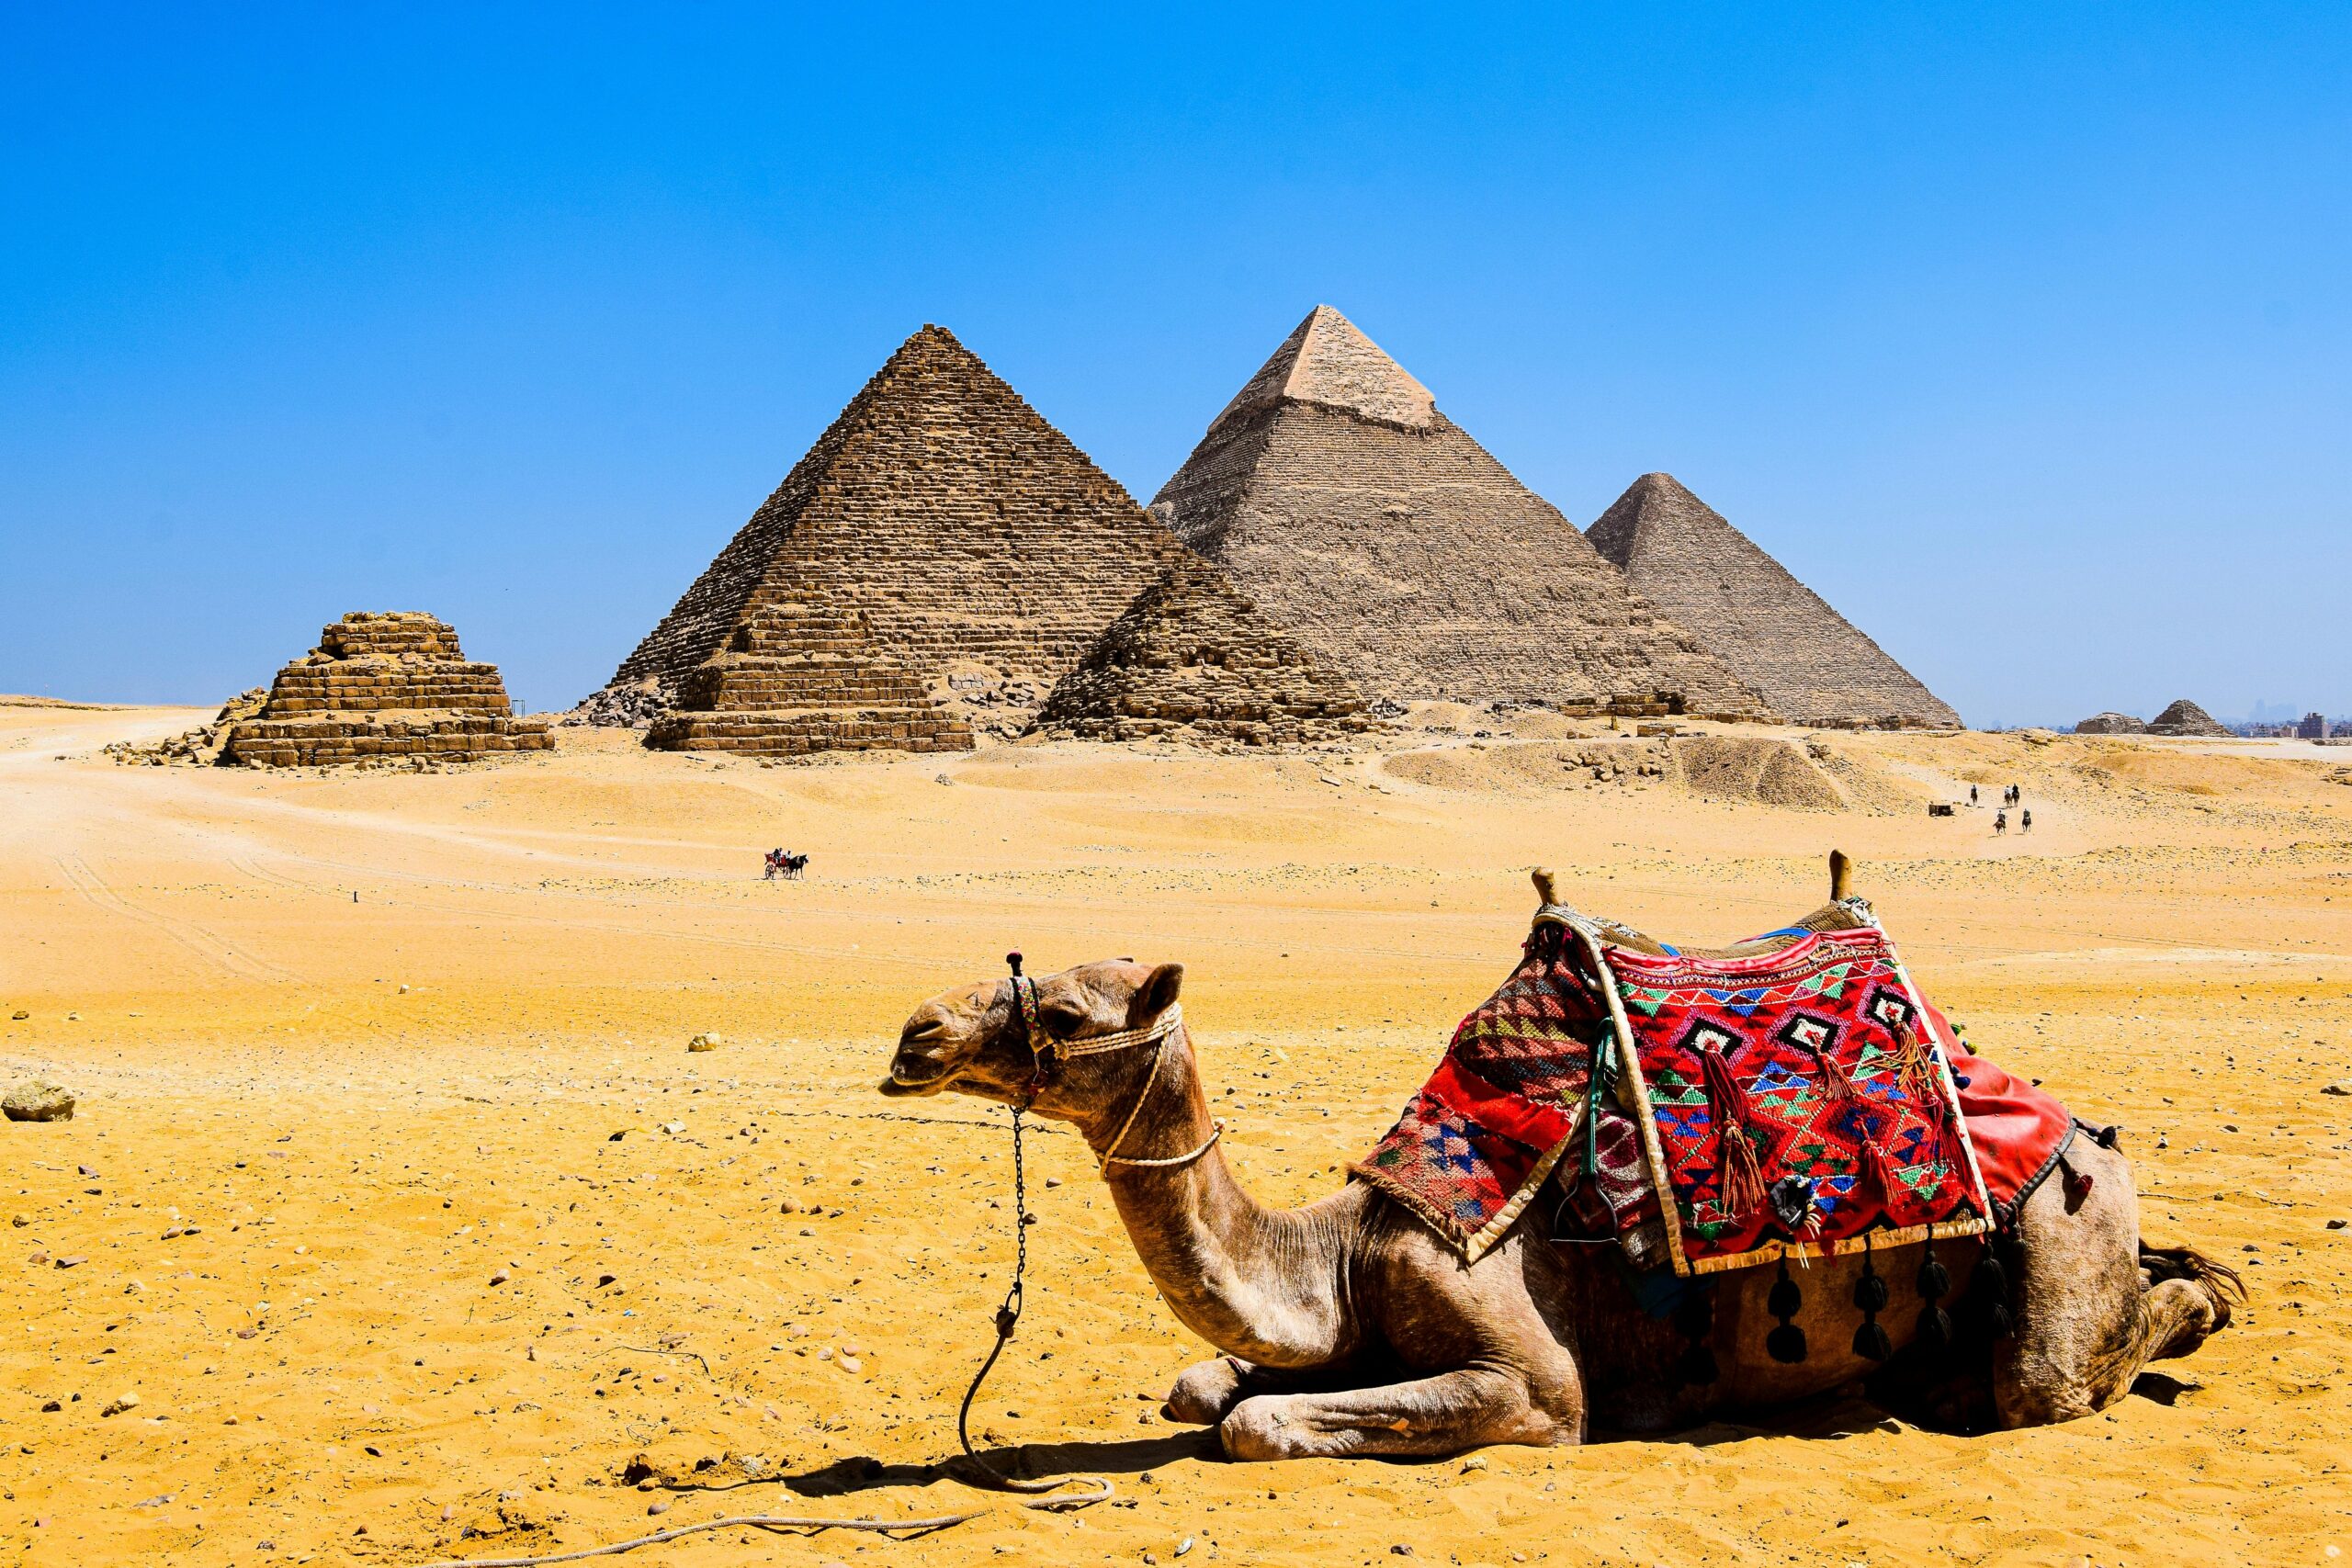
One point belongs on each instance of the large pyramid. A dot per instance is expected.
(938, 529)
(1191, 655)
(1812, 664)
(1377, 532)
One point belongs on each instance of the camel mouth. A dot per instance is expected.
(897, 1086)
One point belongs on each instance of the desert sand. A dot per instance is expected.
(398, 1201)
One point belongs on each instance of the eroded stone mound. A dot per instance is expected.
(2111, 723)
(1191, 655)
(1812, 664)
(966, 538)
(802, 673)
(200, 746)
(1752, 768)
(384, 686)
(1373, 530)
(2185, 717)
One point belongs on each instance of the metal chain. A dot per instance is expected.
(1009, 1312)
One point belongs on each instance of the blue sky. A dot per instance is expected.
(2021, 333)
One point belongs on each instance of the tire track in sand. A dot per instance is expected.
(199, 940)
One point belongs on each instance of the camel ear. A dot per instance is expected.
(1156, 994)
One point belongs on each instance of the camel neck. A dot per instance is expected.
(1261, 1283)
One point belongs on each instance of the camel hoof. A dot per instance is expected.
(1257, 1430)
(1203, 1394)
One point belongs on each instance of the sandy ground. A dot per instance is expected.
(462, 1229)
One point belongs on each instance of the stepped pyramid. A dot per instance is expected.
(387, 685)
(1381, 536)
(1812, 664)
(801, 672)
(949, 529)
(1192, 654)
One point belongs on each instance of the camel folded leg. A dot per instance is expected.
(1206, 1392)
(2088, 1317)
(1467, 1408)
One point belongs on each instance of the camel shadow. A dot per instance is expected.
(1024, 1461)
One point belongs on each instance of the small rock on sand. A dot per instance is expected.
(703, 1043)
(36, 1101)
(2343, 1086)
(127, 1400)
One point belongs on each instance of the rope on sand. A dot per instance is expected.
(762, 1521)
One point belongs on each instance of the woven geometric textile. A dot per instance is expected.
(1795, 1097)
(1786, 1102)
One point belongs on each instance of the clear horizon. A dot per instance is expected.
(2019, 336)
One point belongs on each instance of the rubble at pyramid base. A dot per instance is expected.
(766, 733)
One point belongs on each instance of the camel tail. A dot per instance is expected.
(2218, 1281)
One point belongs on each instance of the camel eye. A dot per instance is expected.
(1061, 1018)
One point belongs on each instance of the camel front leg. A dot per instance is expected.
(1205, 1394)
(1469, 1408)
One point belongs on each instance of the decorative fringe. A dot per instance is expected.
(1913, 1072)
(1933, 1283)
(1870, 1341)
(1696, 1320)
(1743, 1179)
(1785, 1344)
(1878, 1176)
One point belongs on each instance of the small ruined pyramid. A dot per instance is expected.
(1379, 535)
(2185, 717)
(2111, 723)
(383, 686)
(939, 530)
(1812, 664)
(801, 672)
(1193, 657)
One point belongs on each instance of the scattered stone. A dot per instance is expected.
(127, 1400)
(703, 1043)
(37, 1101)
(674, 1128)
(71, 1262)
(502, 1276)
(2342, 1086)
(2335, 1224)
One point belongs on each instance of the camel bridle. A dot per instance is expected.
(1046, 1056)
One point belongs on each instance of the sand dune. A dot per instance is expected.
(352, 1050)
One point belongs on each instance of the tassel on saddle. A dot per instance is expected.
(1742, 1178)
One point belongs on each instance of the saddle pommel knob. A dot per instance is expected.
(1841, 876)
(1013, 961)
(1544, 884)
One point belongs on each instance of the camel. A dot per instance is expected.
(1347, 1327)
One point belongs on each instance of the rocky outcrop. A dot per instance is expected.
(1812, 665)
(1192, 657)
(389, 686)
(1371, 528)
(2185, 717)
(955, 534)
(2111, 723)
(201, 746)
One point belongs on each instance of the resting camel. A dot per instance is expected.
(1348, 1328)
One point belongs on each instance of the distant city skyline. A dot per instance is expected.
(2019, 334)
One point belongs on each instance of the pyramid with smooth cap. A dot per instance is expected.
(1193, 657)
(940, 537)
(383, 686)
(1375, 532)
(1812, 664)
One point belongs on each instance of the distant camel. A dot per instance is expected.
(1348, 1328)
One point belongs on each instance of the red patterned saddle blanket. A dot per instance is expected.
(1720, 1111)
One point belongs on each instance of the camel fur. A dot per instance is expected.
(1348, 1327)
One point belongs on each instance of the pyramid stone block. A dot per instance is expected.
(939, 527)
(1357, 517)
(1193, 657)
(1812, 664)
(390, 685)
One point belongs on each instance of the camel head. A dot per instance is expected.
(970, 1039)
